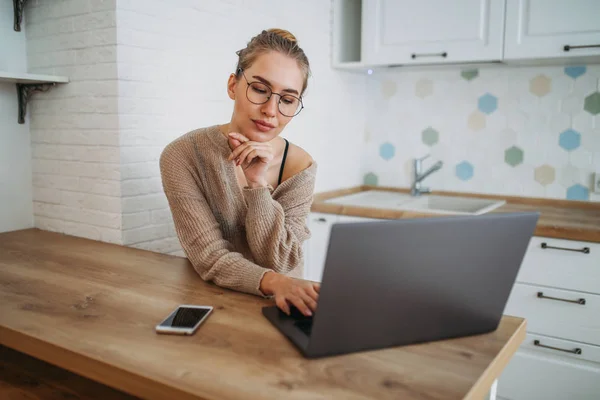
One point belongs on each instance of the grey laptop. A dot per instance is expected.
(397, 282)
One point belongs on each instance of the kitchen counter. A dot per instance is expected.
(562, 219)
(91, 307)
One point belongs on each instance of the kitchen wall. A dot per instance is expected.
(15, 150)
(74, 127)
(145, 72)
(509, 130)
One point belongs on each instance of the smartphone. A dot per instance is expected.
(184, 320)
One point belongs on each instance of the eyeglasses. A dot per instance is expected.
(259, 93)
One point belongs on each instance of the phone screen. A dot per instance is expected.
(185, 317)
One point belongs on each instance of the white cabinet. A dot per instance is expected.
(542, 29)
(316, 247)
(539, 373)
(558, 292)
(431, 31)
(406, 32)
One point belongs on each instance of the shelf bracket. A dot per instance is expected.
(24, 91)
(18, 5)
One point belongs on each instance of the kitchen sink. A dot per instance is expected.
(435, 204)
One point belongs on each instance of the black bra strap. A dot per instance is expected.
(283, 161)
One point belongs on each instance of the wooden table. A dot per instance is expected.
(91, 307)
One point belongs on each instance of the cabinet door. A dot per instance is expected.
(432, 31)
(542, 28)
(564, 264)
(320, 227)
(538, 375)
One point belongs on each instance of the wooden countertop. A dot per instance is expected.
(91, 307)
(561, 219)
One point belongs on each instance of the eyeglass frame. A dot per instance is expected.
(272, 93)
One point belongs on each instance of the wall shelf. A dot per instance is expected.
(27, 84)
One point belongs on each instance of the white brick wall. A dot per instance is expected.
(74, 127)
(144, 72)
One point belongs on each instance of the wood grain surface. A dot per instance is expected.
(561, 219)
(91, 307)
(24, 377)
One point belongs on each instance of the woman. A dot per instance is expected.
(239, 193)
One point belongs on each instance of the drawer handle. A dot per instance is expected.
(578, 301)
(574, 351)
(415, 55)
(585, 250)
(321, 219)
(587, 46)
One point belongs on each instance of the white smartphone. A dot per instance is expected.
(184, 320)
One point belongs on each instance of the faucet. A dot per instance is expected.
(418, 175)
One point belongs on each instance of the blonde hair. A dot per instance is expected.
(274, 39)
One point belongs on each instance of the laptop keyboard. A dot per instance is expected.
(305, 325)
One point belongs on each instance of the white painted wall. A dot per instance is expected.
(74, 127)
(15, 151)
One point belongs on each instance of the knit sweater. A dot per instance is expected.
(233, 236)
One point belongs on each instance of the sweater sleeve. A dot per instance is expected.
(276, 229)
(211, 255)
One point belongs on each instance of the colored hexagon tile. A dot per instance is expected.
(487, 103)
(575, 71)
(569, 139)
(578, 192)
(387, 151)
(513, 156)
(592, 103)
(464, 171)
(544, 174)
(371, 179)
(424, 88)
(430, 136)
(476, 121)
(540, 85)
(469, 74)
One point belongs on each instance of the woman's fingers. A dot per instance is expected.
(282, 304)
(309, 301)
(239, 137)
(300, 305)
(312, 293)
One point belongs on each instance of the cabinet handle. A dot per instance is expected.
(321, 219)
(578, 301)
(574, 351)
(568, 47)
(585, 250)
(415, 55)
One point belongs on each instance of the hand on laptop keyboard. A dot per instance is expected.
(291, 291)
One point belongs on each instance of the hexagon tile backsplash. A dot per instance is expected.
(523, 131)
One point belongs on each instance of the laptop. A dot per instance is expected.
(399, 282)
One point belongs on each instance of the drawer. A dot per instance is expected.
(567, 269)
(557, 318)
(536, 374)
(567, 349)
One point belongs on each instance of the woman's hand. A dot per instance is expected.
(302, 294)
(254, 157)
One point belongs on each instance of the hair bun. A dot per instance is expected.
(284, 34)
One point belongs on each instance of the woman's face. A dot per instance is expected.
(263, 122)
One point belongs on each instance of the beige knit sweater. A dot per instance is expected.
(233, 236)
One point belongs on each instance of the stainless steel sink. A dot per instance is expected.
(434, 204)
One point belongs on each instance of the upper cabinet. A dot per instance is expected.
(406, 32)
(542, 29)
(432, 31)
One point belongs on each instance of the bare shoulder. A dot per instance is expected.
(297, 161)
